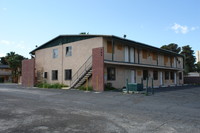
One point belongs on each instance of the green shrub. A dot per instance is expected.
(109, 87)
(46, 85)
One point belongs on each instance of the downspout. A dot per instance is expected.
(134, 55)
(62, 63)
(138, 56)
(112, 49)
(157, 58)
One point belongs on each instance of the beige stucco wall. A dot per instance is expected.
(180, 62)
(5, 72)
(149, 59)
(119, 55)
(81, 51)
(123, 73)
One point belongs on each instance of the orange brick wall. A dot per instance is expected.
(28, 73)
(98, 69)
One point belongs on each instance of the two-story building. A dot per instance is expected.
(102, 59)
(5, 74)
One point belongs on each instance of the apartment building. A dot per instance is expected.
(105, 59)
(197, 56)
(5, 74)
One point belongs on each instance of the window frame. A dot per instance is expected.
(166, 75)
(55, 53)
(54, 74)
(180, 76)
(109, 47)
(68, 51)
(155, 75)
(111, 76)
(145, 75)
(45, 75)
(144, 53)
(172, 75)
(68, 76)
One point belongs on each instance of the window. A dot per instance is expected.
(155, 56)
(166, 75)
(171, 60)
(144, 54)
(111, 73)
(139, 73)
(68, 74)
(69, 51)
(180, 75)
(119, 47)
(109, 47)
(45, 75)
(155, 75)
(165, 60)
(55, 53)
(145, 74)
(54, 74)
(172, 75)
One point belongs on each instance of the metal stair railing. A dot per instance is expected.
(81, 71)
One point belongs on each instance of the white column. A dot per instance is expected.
(132, 76)
(175, 82)
(161, 78)
(174, 61)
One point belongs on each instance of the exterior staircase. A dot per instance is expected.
(83, 73)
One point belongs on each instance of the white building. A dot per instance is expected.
(198, 56)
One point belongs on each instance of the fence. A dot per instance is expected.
(191, 80)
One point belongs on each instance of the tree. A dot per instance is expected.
(188, 53)
(3, 61)
(172, 47)
(15, 63)
(84, 33)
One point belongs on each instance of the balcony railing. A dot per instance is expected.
(81, 71)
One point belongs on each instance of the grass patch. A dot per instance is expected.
(85, 88)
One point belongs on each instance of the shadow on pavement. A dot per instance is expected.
(175, 88)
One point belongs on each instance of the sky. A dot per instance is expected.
(27, 23)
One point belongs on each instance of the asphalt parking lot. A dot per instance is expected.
(33, 110)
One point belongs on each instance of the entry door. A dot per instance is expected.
(161, 78)
(126, 54)
(132, 58)
(133, 76)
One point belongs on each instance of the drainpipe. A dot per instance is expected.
(152, 87)
(138, 55)
(62, 64)
(147, 87)
(112, 49)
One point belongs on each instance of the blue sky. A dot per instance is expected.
(25, 23)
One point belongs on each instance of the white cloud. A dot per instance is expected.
(20, 46)
(2, 54)
(5, 42)
(179, 28)
(194, 28)
(182, 28)
(4, 8)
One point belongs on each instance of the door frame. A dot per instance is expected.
(133, 75)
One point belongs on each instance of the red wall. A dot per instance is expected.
(98, 69)
(28, 73)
